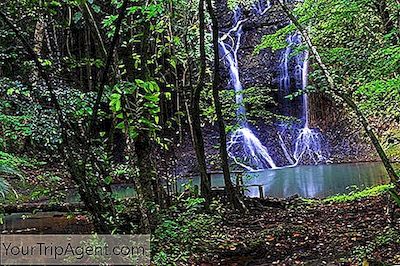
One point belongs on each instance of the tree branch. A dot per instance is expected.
(110, 55)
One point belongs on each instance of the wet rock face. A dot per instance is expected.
(255, 70)
(259, 70)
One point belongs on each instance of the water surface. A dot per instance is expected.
(316, 181)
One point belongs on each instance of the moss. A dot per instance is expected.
(391, 143)
(354, 195)
(246, 4)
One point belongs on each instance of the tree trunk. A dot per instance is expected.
(196, 121)
(150, 191)
(346, 98)
(37, 46)
(145, 180)
(92, 22)
(230, 190)
(388, 24)
(104, 78)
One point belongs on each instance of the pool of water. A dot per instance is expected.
(315, 181)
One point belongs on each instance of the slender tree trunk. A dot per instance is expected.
(90, 18)
(334, 88)
(387, 22)
(196, 121)
(230, 190)
(88, 65)
(37, 46)
(143, 142)
(104, 79)
(145, 180)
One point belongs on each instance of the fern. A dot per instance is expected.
(5, 186)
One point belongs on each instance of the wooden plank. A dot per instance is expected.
(261, 191)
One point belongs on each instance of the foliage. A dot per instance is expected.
(35, 122)
(9, 167)
(15, 127)
(395, 196)
(246, 4)
(13, 161)
(359, 194)
(391, 143)
(389, 237)
(256, 100)
(4, 185)
(184, 230)
(363, 56)
(375, 95)
(133, 115)
(275, 41)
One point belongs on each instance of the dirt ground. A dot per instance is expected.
(292, 232)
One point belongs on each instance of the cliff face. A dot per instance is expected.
(255, 70)
(344, 140)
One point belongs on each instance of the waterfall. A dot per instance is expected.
(261, 7)
(308, 143)
(229, 52)
(243, 147)
(284, 90)
(284, 79)
(304, 83)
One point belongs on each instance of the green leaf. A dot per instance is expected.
(153, 98)
(133, 133)
(96, 8)
(167, 95)
(115, 102)
(108, 180)
(10, 91)
(77, 17)
(120, 125)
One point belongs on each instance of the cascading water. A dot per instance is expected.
(308, 143)
(284, 90)
(244, 147)
(284, 79)
(262, 6)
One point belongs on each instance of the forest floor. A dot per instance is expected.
(296, 232)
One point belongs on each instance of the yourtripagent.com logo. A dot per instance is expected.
(74, 249)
